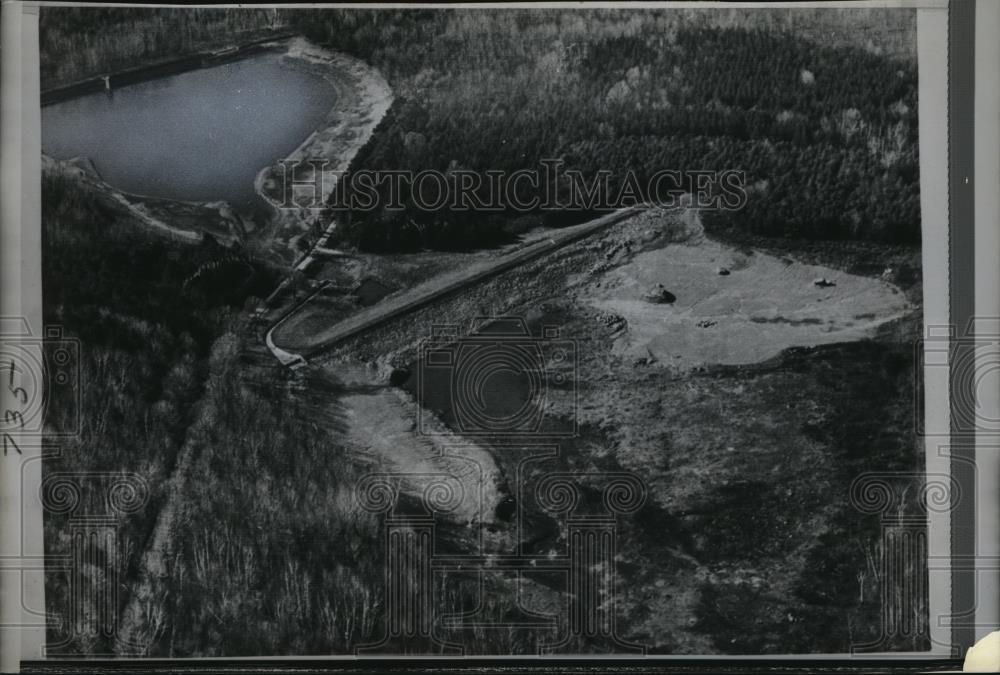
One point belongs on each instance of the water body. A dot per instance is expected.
(495, 379)
(197, 136)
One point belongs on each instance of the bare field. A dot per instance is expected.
(734, 307)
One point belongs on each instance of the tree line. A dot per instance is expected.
(826, 134)
(80, 42)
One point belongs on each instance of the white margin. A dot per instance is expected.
(10, 305)
(932, 97)
(22, 578)
(987, 265)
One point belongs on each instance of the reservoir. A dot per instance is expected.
(202, 135)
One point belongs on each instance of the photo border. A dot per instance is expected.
(962, 307)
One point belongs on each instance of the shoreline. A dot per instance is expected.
(363, 98)
(156, 68)
(154, 212)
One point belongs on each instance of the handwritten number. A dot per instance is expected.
(18, 392)
(12, 416)
(8, 442)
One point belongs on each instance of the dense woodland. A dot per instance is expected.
(146, 311)
(274, 557)
(80, 42)
(827, 135)
(818, 108)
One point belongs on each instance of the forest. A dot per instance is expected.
(817, 108)
(270, 554)
(826, 135)
(80, 42)
(146, 311)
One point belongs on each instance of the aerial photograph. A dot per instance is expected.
(483, 331)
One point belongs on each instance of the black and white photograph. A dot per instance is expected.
(507, 331)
